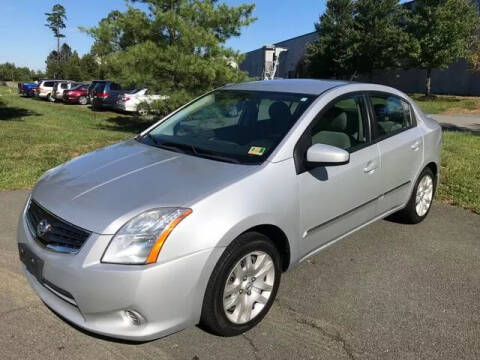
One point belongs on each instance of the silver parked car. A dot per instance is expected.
(195, 219)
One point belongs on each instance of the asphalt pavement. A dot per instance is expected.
(390, 291)
(467, 122)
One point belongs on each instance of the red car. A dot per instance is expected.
(76, 95)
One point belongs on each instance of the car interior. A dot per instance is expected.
(341, 126)
(251, 122)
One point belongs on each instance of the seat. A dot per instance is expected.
(335, 124)
(280, 116)
(333, 138)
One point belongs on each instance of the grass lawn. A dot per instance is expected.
(460, 172)
(36, 136)
(448, 104)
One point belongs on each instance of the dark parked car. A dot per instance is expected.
(104, 95)
(76, 95)
(91, 87)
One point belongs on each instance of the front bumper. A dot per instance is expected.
(168, 296)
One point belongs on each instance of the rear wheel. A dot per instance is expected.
(50, 98)
(242, 286)
(83, 100)
(143, 109)
(421, 199)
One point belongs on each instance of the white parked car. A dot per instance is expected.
(130, 101)
(45, 89)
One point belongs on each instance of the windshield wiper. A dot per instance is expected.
(151, 137)
(210, 155)
(190, 149)
(183, 148)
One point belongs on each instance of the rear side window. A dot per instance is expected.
(48, 84)
(392, 114)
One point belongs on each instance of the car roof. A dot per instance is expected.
(298, 86)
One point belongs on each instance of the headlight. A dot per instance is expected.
(140, 240)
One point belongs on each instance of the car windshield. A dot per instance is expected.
(232, 126)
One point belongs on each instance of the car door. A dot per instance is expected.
(334, 200)
(400, 142)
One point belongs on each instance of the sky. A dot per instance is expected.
(26, 41)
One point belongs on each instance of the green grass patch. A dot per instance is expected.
(460, 172)
(437, 104)
(37, 135)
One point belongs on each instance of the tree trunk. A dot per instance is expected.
(428, 83)
(58, 57)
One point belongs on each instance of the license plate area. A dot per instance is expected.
(31, 261)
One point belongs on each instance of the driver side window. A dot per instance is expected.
(342, 124)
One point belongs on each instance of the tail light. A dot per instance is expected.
(124, 98)
(103, 95)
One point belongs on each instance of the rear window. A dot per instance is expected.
(115, 86)
(99, 87)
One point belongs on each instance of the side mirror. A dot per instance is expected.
(327, 155)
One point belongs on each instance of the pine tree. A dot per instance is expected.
(174, 47)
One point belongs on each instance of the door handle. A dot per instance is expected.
(415, 146)
(370, 167)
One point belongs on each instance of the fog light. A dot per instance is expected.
(133, 317)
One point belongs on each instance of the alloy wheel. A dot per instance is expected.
(248, 287)
(424, 196)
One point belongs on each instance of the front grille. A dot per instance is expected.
(54, 233)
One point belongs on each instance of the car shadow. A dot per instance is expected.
(8, 113)
(474, 129)
(127, 123)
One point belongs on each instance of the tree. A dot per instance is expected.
(10, 72)
(173, 46)
(57, 62)
(90, 67)
(333, 53)
(56, 22)
(473, 53)
(443, 30)
(358, 37)
(382, 39)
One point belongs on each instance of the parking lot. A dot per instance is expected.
(390, 291)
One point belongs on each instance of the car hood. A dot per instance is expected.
(101, 190)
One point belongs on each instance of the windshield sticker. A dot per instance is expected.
(256, 150)
(303, 99)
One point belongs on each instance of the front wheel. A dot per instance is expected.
(242, 286)
(421, 199)
(83, 100)
(50, 98)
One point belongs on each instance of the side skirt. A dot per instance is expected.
(324, 246)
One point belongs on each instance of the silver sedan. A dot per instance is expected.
(194, 220)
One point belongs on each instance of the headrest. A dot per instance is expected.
(279, 111)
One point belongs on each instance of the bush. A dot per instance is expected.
(175, 100)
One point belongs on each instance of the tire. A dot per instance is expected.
(421, 199)
(50, 98)
(83, 100)
(143, 112)
(246, 290)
